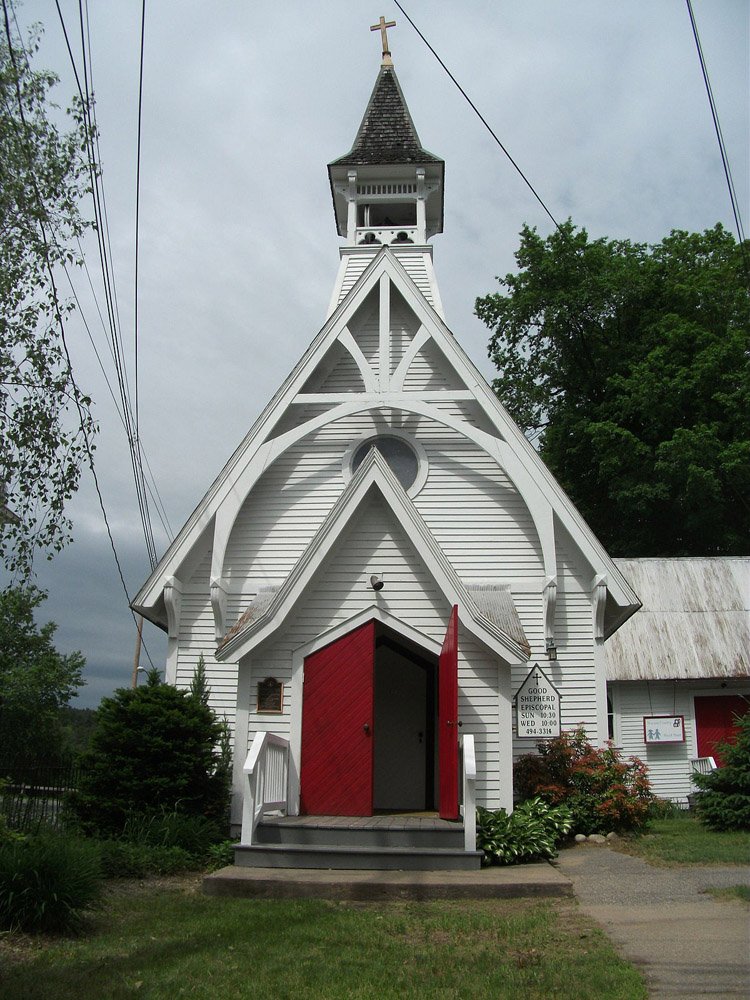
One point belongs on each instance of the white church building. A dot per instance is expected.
(385, 562)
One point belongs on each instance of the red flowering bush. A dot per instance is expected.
(603, 791)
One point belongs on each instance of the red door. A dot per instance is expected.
(337, 711)
(448, 720)
(714, 721)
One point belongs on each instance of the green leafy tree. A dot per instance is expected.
(724, 802)
(36, 681)
(44, 419)
(631, 364)
(154, 748)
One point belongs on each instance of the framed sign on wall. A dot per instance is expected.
(270, 696)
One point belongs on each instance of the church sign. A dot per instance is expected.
(537, 707)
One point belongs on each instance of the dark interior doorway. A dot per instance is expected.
(405, 711)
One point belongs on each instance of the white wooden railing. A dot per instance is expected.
(469, 769)
(266, 776)
(703, 765)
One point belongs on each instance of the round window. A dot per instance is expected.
(398, 454)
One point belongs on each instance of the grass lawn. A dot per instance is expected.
(170, 941)
(682, 840)
(740, 892)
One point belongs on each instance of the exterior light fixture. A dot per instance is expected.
(376, 582)
(551, 648)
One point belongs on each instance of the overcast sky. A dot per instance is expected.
(602, 104)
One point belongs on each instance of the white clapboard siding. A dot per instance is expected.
(420, 272)
(337, 373)
(468, 503)
(355, 265)
(365, 328)
(669, 764)
(196, 637)
(404, 326)
(415, 264)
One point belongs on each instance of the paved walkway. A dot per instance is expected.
(688, 944)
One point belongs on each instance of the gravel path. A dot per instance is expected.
(688, 944)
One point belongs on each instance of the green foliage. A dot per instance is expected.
(220, 855)
(632, 363)
(44, 418)
(78, 725)
(172, 828)
(724, 800)
(683, 840)
(35, 680)
(153, 748)
(124, 859)
(47, 882)
(199, 682)
(530, 833)
(603, 791)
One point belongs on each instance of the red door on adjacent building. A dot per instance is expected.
(337, 711)
(448, 720)
(715, 717)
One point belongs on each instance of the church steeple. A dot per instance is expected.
(387, 189)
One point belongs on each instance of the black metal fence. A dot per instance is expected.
(32, 796)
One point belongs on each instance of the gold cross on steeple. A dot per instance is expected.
(382, 26)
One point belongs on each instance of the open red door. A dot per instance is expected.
(337, 715)
(448, 720)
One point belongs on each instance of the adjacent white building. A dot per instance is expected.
(678, 673)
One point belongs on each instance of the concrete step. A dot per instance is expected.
(517, 881)
(304, 834)
(356, 858)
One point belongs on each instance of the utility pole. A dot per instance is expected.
(137, 657)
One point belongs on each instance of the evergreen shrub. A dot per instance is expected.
(154, 749)
(603, 791)
(724, 800)
(532, 832)
(47, 882)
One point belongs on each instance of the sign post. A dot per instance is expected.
(537, 707)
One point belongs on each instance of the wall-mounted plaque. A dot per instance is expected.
(270, 695)
(537, 707)
(663, 728)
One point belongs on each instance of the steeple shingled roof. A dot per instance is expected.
(387, 134)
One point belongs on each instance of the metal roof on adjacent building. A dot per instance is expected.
(694, 623)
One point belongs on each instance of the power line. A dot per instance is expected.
(720, 140)
(104, 246)
(138, 209)
(482, 119)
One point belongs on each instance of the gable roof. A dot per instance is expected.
(387, 134)
(507, 445)
(694, 623)
(270, 609)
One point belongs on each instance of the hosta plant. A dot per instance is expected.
(531, 832)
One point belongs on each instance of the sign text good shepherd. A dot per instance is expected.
(537, 707)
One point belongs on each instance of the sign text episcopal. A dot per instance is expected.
(537, 707)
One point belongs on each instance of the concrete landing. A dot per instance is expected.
(518, 881)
